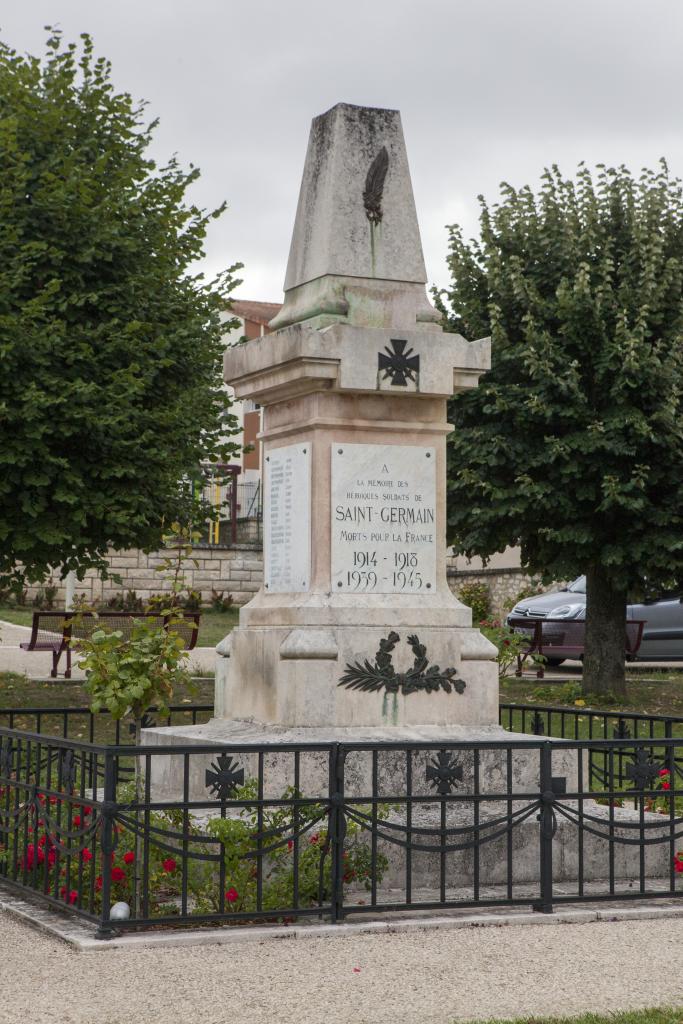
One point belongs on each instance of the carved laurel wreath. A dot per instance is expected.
(381, 675)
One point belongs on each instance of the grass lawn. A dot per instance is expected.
(658, 694)
(213, 626)
(660, 1016)
(18, 691)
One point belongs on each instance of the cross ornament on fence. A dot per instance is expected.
(444, 772)
(224, 776)
(642, 771)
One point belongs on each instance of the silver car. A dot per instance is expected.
(662, 633)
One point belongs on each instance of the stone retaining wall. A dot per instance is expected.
(237, 571)
(504, 585)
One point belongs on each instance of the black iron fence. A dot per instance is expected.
(131, 837)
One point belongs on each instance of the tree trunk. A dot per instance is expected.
(604, 649)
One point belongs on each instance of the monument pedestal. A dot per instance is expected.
(354, 532)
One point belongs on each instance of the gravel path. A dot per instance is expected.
(418, 977)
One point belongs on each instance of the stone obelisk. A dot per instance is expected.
(355, 625)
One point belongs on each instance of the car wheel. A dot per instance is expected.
(553, 662)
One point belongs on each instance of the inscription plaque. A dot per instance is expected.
(383, 518)
(287, 519)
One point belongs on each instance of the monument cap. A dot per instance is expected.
(356, 214)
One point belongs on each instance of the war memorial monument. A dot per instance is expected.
(355, 637)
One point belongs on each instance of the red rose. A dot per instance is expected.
(87, 810)
(62, 891)
(169, 865)
(76, 821)
(663, 771)
(314, 839)
(290, 844)
(42, 841)
(86, 855)
(128, 857)
(51, 856)
(678, 866)
(73, 896)
(665, 785)
(117, 874)
(98, 883)
(232, 895)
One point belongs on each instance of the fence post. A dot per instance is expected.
(546, 830)
(337, 832)
(106, 929)
(233, 509)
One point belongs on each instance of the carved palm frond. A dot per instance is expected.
(374, 186)
(370, 678)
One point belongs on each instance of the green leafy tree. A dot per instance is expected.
(572, 446)
(110, 347)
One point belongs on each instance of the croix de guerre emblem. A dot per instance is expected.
(398, 364)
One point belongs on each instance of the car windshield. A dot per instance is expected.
(578, 586)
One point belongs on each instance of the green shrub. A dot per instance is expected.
(476, 596)
(220, 602)
(508, 643)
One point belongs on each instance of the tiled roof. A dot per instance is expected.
(259, 312)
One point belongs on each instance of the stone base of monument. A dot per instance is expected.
(291, 676)
(493, 786)
(490, 861)
(368, 768)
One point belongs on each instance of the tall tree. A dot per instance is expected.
(572, 446)
(110, 348)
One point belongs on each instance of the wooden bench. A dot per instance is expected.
(58, 632)
(564, 638)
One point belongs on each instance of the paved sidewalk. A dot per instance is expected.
(37, 664)
(416, 977)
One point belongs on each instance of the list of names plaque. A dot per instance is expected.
(383, 518)
(287, 519)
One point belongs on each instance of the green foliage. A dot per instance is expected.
(45, 599)
(110, 349)
(129, 674)
(221, 602)
(126, 601)
(509, 645)
(572, 446)
(238, 846)
(476, 596)
(237, 834)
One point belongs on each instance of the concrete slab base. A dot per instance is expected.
(80, 935)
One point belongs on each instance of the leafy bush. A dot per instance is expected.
(45, 599)
(238, 836)
(476, 596)
(126, 602)
(509, 644)
(220, 602)
(192, 601)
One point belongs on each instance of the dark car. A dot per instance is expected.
(663, 616)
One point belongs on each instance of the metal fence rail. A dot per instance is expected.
(245, 833)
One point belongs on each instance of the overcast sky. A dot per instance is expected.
(488, 90)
